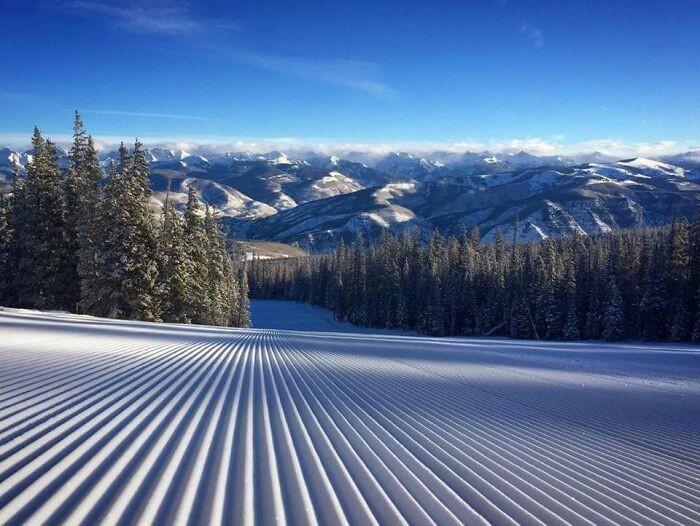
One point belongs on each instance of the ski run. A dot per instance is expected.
(115, 422)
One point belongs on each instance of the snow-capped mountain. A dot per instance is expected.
(544, 202)
(439, 163)
(8, 158)
(407, 164)
(315, 200)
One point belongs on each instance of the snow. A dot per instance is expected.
(497, 179)
(393, 190)
(128, 422)
(386, 217)
(284, 202)
(545, 179)
(653, 167)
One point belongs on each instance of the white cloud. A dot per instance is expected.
(536, 146)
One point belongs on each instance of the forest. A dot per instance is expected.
(637, 284)
(83, 241)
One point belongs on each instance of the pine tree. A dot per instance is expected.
(571, 330)
(613, 321)
(141, 169)
(567, 288)
(242, 316)
(43, 271)
(680, 300)
(89, 229)
(73, 189)
(218, 295)
(652, 308)
(696, 325)
(195, 246)
(68, 242)
(175, 269)
(82, 201)
(7, 247)
(128, 249)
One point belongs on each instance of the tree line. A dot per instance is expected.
(641, 284)
(82, 240)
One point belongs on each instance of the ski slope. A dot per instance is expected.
(114, 422)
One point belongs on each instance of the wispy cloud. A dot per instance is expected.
(533, 34)
(348, 73)
(149, 115)
(174, 17)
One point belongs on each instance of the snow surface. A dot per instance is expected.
(127, 422)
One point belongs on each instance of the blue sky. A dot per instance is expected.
(542, 75)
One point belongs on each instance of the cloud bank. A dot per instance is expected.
(535, 146)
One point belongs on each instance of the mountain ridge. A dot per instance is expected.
(315, 200)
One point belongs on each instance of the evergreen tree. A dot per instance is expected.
(67, 242)
(218, 284)
(571, 330)
(242, 314)
(195, 247)
(89, 228)
(82, 201)
(43, 266)
(7, 248)
(652, 308)
(141, 169)
(564, 288)
(613, 321)
(175, 269)
(681, 299)
(128, 247)
(73, 189)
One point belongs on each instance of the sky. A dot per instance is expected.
(546, 76)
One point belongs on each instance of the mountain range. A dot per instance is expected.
(314, 200)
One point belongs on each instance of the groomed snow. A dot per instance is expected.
(127, 422)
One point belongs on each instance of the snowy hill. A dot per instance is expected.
(545, 202)
(120, 422)
(338, 197)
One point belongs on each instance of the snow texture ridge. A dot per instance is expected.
(103, 421)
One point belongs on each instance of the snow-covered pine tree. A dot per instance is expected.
(141, 169)
(88, 227)
(195, 246)
(227, 296)
(7, 247)
(218, 274)
(82, 200)
(73, 192)
(242, 315)
(174, 270)
(128, 248)
(43, 271)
